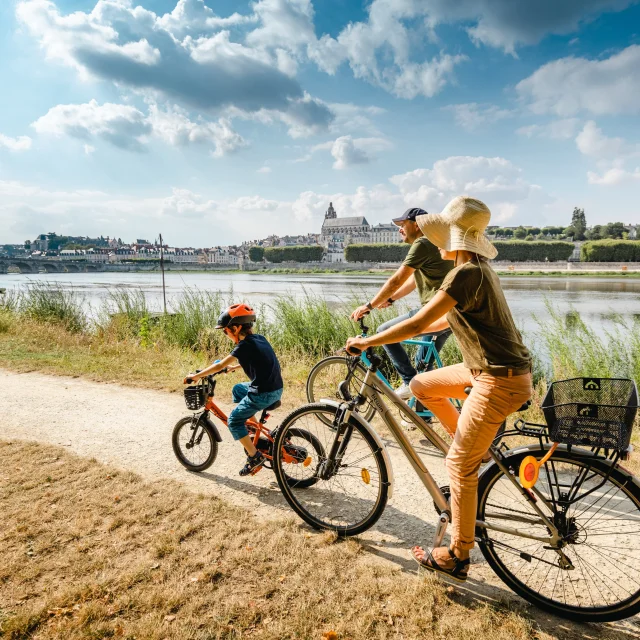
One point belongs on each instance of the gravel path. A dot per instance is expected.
(131, 429)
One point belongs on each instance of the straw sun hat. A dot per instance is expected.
(460, 227)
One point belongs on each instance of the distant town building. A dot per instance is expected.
(385, 234)
(337, 233)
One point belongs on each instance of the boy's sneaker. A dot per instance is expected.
(404, 391)
(253, 465)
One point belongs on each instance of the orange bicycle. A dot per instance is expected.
(195, 438)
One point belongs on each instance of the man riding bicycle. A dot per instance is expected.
(423, 269)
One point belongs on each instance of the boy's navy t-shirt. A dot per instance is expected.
(258, 360)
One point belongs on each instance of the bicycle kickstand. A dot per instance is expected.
(441, 529)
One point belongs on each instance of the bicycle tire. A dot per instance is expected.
(319, 450)
(368, 410)
(177, 449)
(490, 542)
(291, 493)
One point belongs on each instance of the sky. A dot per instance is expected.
(215, 122)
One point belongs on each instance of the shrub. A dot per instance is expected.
(6, 320)
(256, 254)
(302, 253)
(376, 252)
(48, 302)
(196, 316)
(537, 251)
(610, 251)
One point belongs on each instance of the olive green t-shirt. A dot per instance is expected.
(430, 268)
(481, 321)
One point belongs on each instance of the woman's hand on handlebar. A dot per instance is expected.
(360, 312)
(355, 346)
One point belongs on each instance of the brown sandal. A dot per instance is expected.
(460, 567)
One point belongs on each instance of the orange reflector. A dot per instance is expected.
(366, 476)
(307, 461)
(529, 472)
(530, 468)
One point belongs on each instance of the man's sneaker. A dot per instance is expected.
(253, 465)
(404, 391)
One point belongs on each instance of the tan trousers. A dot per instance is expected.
(491, 400)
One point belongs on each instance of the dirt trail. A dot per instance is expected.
(131, 428)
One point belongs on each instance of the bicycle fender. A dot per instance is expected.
(583, 453)
(365, 425)
(214, 428)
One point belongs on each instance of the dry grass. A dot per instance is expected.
(91, 552)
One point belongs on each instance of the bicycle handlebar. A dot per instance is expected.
(212, 375)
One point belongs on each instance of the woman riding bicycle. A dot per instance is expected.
(496, 364)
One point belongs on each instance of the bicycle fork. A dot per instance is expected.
(328, 467)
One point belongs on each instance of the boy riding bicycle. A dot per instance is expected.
(258, 360)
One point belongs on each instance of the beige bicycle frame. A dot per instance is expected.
(374, 390)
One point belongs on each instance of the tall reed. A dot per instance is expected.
(303, 330)
(51, 302)
(567, 346)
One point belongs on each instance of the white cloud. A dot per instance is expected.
(592, 142)
(495, 180)
(120, 124)
(204, 69)
(352, 117)
(283, 23)
(614, 177)
(348, 151)
(264, 170)
(612, 156)
(129, 128)
(21, 143)
(175, 127)
(89, 149)
(573, 85)
(472, 115)
(556, 130)
(193, 17)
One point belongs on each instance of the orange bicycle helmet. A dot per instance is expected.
(236, 314)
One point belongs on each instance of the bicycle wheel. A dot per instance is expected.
(302, 454)
(349, 499)
(326, 375)
(194, 444)
(595, 575)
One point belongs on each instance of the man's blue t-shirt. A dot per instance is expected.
(258, 360)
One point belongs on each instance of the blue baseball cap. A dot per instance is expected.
(409, 214)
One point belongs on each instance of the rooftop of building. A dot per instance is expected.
(354, 221)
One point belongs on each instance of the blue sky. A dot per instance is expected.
(216, 122)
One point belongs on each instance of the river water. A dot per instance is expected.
(596, 299)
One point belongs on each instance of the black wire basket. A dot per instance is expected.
(194, 397)
(591, 412)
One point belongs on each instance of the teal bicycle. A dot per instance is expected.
(325, 377)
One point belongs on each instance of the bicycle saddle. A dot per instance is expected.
(271, 407)
(524, 407)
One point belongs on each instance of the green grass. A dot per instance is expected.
(301, 330)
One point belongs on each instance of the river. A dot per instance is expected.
(596, 299)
